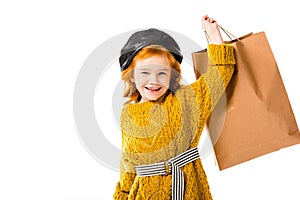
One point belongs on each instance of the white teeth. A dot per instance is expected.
(153, 88)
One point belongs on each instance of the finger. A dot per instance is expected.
(207, 18)
(204, 17)
(211, 20)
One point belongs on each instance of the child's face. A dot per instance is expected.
(152, 77)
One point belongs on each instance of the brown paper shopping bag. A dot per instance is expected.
(258, 118)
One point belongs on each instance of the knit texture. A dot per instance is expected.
(156, 131)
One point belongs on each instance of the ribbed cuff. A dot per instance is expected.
(220, 54)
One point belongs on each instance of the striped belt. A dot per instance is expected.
(171, 166)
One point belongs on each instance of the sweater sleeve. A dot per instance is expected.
(124, 185)
(211, 85)
(127, 164)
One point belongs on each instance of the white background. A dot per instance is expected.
(43, 46)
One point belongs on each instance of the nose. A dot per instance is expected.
(153, 78)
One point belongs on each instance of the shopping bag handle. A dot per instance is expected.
(229, 35)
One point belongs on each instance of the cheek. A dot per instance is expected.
(139, 82)
(165, 81)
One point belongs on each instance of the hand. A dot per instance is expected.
(211, 27)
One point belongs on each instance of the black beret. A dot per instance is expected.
(141, 39)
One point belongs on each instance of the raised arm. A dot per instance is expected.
(211, 85)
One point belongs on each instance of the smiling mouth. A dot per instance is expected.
(153, 88)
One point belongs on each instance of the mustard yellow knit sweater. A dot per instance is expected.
(155, 131)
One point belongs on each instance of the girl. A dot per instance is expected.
(162, 121)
